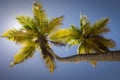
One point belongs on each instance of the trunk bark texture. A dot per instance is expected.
(109, 56)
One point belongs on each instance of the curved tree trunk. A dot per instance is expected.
(109, 56)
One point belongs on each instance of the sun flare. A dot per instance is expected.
(16, 25)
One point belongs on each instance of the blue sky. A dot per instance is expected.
(34, 69)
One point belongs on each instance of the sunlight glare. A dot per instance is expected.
(16, 25)
(24, 31)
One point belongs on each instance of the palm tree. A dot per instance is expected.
(38, 32)
(89, 37)
(33, 35)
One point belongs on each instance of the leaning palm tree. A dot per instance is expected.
(89, 37)
(34, 35)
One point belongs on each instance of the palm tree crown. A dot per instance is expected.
(89, 38)
(34, 35)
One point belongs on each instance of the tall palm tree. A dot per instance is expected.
(34, 35)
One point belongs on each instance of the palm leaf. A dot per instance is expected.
(26, 22)
(24, 53)
(83, 48)
(100, 27)
(20, 36)
(75, 32)
(73, 42)
(105, 41)
(85, 26)
(49, 59)
(40, 18)
(83, 20)
(61, 35)
(96, 45)
(53, 25)
(58, 43)
(50, 63)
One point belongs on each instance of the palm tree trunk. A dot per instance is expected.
(109, 56)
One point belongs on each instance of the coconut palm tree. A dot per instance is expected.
(38, 32)
(89, 37)
(34, 35)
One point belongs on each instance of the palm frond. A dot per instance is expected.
(85, 26)
(24, 53)
(83, 48)
(72, 42)
(74, 28)
(75, 32)
(53, 25)
(26, 22)
(61, 35)
(50, 63)
(96, 45)
(105, 41)
(20, 36)
(40, 17)
(100, 27)
(49, 59)
(58, 43)
(84, 22)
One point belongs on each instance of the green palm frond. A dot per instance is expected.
(40, 17)
(100, 26)
(61, 35)
(81, 49)
(20, 36)
(86, 30)
(24, 53)
(73, 42)
(85, 26)
(53, 25)
(84, 22)
(26, 22)
(75, 32)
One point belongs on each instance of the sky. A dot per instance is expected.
(35, 69)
